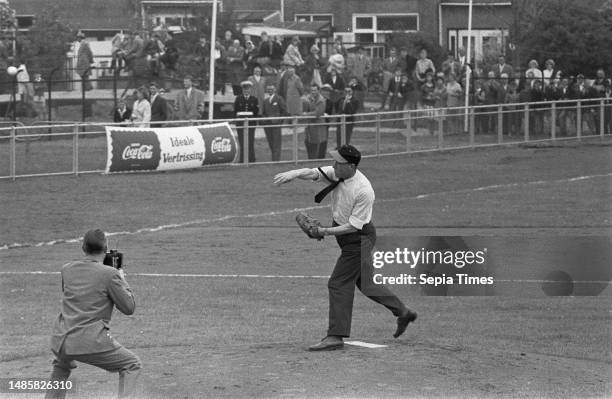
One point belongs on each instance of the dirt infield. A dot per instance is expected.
(230, 293)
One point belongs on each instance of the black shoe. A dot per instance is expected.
(329, 343)
(403, 321)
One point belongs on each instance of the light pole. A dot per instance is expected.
(13, 71)
(211, 78)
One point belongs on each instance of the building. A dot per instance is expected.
(355, 21)
(491, 22)
(97, 19)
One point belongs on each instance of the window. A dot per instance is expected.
(374, 28)
(397, 23)
(364, 38)
(315, 18)
(25, 21)
(363, 23)
(483, 41)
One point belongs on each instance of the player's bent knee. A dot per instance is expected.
(136, 365)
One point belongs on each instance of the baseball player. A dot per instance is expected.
(352, 198)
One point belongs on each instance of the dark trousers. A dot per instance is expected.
(349, 133)
(352, 269)
(316, 151)
(397, 104)
(251, 133)
(275, 140)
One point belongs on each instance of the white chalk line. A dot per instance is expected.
(275, 276)
(295, 210)
(365, 344)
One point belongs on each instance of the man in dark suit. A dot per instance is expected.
(490, 87)
(348, 105)
(84, 59)
(274, 107)
(81, 332)
(189, 102)
(502, 68)
(337, 83)
(451, 66)
(502, 91)
(246, 106)
(159, 106)
(407, 62)
(398, 92)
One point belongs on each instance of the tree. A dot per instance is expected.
(574, 34)
(43, 48)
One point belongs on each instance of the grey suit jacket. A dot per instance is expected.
(90, 291)
(187, 107)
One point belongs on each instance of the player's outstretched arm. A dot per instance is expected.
(304, 174)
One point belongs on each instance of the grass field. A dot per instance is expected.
(230, 294)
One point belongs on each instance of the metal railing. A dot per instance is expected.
(76, 148)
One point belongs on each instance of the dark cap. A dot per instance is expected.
(346, 154)
(94, 242)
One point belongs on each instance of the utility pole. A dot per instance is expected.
(516, 13)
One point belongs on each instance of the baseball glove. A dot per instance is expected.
(309, 225)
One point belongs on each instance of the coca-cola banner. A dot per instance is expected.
(142, 149)
(219, 142)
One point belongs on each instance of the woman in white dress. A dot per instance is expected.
(141, 111)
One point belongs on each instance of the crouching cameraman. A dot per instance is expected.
(81, 332)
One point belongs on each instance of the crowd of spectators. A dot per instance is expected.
(272, 79)
(417, 84)
(274, 76)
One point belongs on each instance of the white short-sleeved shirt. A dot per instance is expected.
(352, 201)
